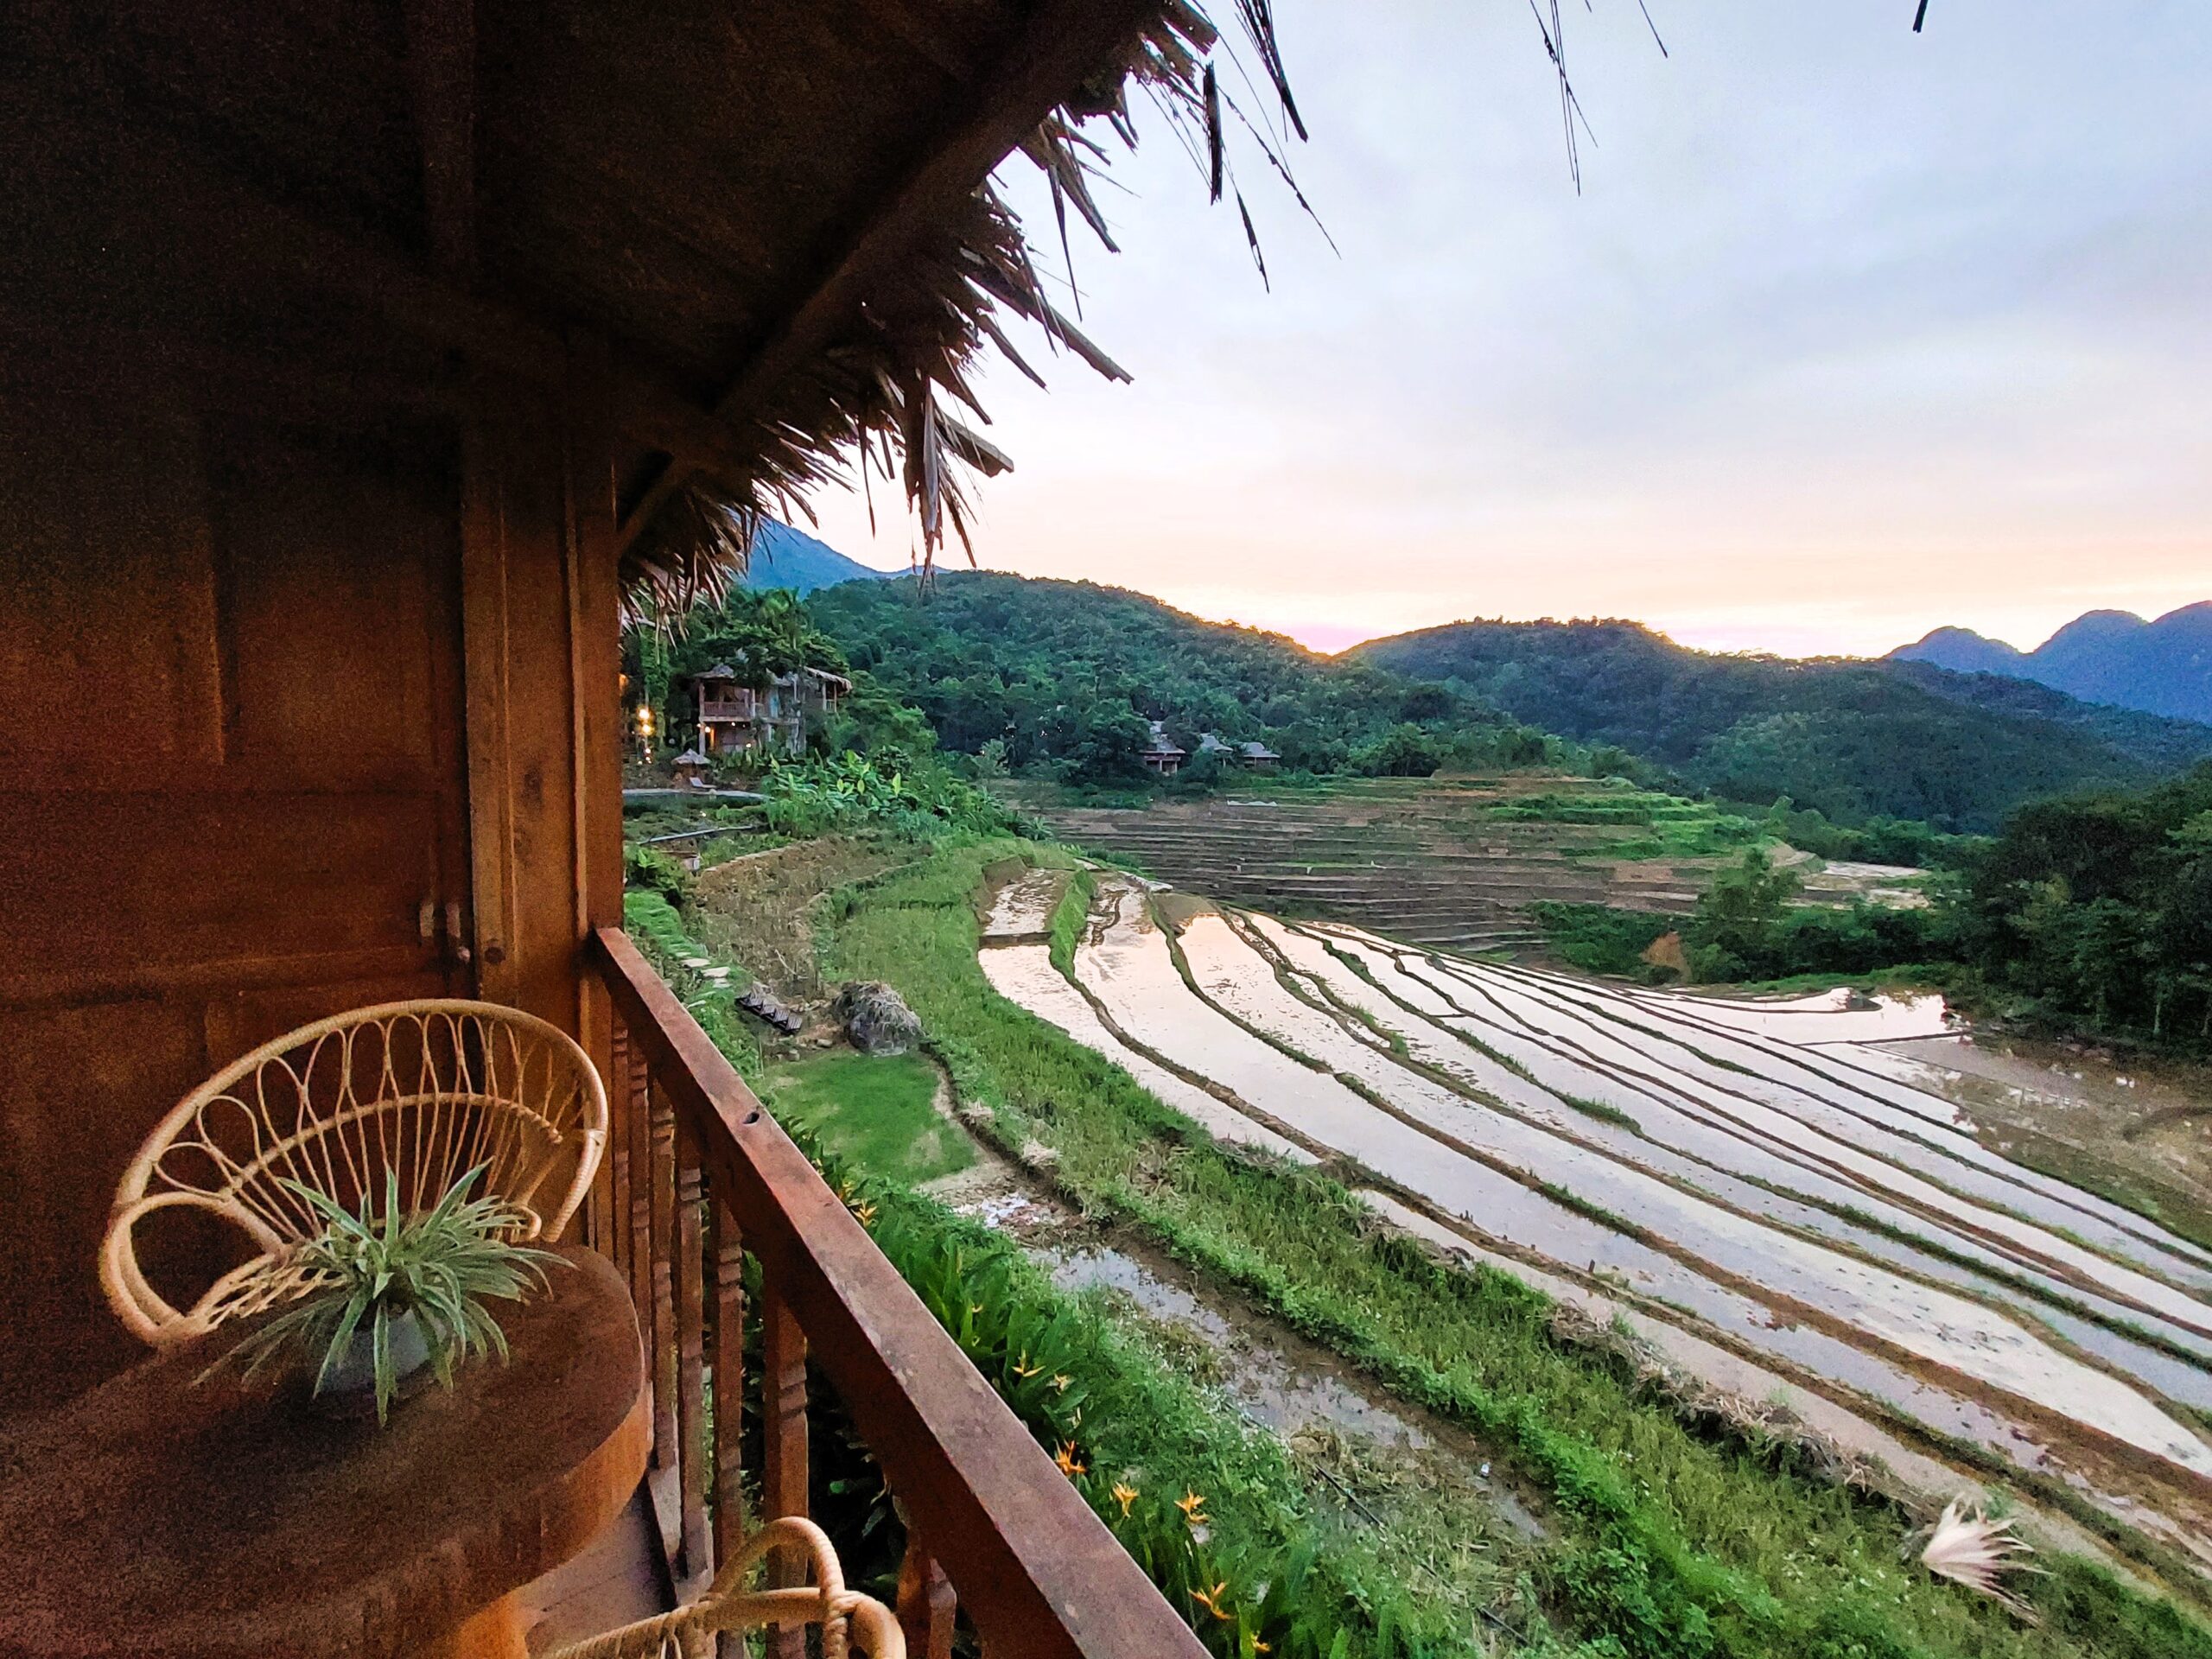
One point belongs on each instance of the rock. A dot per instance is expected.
(876, 1019)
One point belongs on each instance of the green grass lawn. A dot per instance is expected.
(872, 1113)
(1673, 1539)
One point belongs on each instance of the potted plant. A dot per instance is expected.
(394, 1293)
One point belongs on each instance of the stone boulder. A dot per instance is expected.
(876, 1019)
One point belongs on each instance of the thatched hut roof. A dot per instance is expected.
(772, 225)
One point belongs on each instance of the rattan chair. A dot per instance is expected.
(847, 1618)
(428, 1090)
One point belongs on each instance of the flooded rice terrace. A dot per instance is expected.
(1777, 1195)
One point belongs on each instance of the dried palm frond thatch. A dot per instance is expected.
(1967, 1547)
(879, 400)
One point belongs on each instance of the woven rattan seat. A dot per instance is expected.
(425, 1089)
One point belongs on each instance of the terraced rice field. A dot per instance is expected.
(1761, 1191)
(1435, 863)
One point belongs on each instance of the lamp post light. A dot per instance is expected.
(645, 733)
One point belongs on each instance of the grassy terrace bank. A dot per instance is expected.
(1671, 1538)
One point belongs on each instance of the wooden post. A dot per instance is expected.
(726, 1356)
(664, 1260)
(783, 1444)
(691, 1360)
(926, 1602)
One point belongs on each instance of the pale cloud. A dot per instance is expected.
(1850, 334)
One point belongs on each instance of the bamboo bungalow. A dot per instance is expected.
(773, 718)
(1162, 754)
(361, 360)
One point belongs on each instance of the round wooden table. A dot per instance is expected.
(154, 1517)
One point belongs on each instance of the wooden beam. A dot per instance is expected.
(442, 68)
(1062, 42)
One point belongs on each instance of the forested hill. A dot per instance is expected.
(1854, 739)
(1060, 671)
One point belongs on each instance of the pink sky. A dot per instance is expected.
(1850, 334)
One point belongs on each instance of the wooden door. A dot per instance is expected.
(232, 784)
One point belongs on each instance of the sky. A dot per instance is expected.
(1848, 334)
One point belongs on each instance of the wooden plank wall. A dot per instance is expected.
(287, 650)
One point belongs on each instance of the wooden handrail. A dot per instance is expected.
(1038, 1573)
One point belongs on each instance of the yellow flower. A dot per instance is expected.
(1259, 1646)
(975, 1307)
(1070, 1465)
(1023, 1368)
(1125, 1495)
(1210, 1600)
(866, 1214)
(1061, 1382)
(1193, 1508)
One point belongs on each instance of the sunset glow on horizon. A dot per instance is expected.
(1850, 334)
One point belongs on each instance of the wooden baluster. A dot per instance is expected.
(728, 1356)
(726, 1353)
(783, 1444)
(616, 1244)
(664, 1260)
(633, 1128)
(691, 1359)
(926, 1602)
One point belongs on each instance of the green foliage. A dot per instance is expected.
(1064, 677)
(648, 869)
(888, 792)
(370, 1270)
(1879, 841)
(1856, 741)
(1404, 750)
(1745, 928)
(1738, 913)
(2097, 910)
(1601, 940)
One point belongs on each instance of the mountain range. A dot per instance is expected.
(1954, 731)
(1856, 739)
(783, 557)
(2163, 667)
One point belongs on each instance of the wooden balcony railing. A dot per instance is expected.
(698, 1176)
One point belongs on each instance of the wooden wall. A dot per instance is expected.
(282, 657)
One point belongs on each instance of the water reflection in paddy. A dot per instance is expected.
(1711, 1130)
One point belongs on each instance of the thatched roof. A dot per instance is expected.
(764, 233)
(889, 396)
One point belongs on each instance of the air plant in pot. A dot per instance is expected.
(392, 1292)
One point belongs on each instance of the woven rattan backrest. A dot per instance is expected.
(426, 1090)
